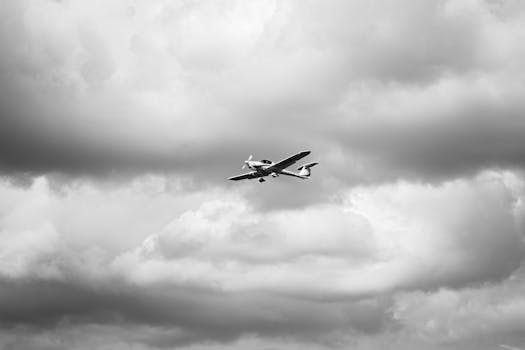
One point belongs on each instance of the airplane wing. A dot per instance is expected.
(252, 175)
(285, 163)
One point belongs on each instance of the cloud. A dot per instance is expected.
(427, 91)
(223, 270)
(449, 129)
(493, 312)
(56, 273)
(398, 236)
(120, 121)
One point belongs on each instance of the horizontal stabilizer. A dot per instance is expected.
(307, 166)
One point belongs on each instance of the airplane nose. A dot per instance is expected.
(247, 161)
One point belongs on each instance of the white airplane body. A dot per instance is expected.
(264, 167)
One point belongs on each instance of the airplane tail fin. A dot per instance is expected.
(304, 170)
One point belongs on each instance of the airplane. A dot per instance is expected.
(262, 168)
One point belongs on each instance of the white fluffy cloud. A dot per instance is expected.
(394, 236)
(375, 242)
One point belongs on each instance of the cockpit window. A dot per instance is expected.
(266, 161)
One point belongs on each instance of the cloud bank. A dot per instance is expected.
(120, 120)
(427, 90)
(222, 270)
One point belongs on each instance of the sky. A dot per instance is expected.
(121, 120)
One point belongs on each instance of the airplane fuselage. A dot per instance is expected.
(264, 169)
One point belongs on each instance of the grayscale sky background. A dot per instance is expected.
(120, 121)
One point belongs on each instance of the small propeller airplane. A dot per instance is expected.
(262, 168)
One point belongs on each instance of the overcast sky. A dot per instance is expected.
(120, 121)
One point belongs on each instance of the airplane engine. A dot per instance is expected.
(275, 174)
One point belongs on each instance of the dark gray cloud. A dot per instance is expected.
(479, 135)
(106, 99)
(193, 315)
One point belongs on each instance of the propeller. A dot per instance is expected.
(246, 161)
